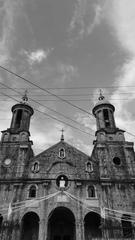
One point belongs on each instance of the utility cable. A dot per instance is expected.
(33, 100)
(45, 90)
(54, 118)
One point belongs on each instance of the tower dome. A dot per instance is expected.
(104, 113)
(22, 113)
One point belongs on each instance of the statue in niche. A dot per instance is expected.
(62, 153)
(91, 191)
(35, 167)
(62, 183)
(89, 167)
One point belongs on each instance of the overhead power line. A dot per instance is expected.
(67, 95)
(45, 90)
(71, 100)
(50, 109)
(54, 118)
(75, 88)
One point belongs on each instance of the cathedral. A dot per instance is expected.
(62, 193)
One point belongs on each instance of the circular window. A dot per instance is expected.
(62, 181)
(116, 161)
(7, 161)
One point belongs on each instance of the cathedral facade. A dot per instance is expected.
(62, 193)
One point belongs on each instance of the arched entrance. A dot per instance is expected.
(30, 226)
(61, 224)
(92, 222)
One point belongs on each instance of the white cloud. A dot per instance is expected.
(121, 16)
(82, 22)
(97, 18)
(79, 144)
(7, 16)
(87, 121)
(67, 72)
(50, 136)
(36, 56)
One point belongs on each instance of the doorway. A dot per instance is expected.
(92, 223)
(30, 226)
(61, 224)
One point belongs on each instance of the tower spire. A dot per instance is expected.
(101, 96)
(25, 97)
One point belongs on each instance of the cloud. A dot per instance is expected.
(120, 15)
(86, 17)
(50, 136)
(96, 20)
(36, 56)
(87, 121)
(124, 116)
(7, 28)
(79, 144)
(67, 72)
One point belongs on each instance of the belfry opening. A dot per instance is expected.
(61, 224)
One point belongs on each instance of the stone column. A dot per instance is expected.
(42, 229)
(79, 230)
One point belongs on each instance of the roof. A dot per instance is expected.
(102, 101)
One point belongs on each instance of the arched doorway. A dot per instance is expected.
(61, 224)
(92, 222)
(30, 226)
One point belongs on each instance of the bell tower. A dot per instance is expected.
(20, 123)
(105, 121)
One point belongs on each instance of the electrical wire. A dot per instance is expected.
(71, 100)
(70, 88)
(49, 109)
(45, 90)
(68, 95)
(54, 118)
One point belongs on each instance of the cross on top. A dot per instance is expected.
(62, 135)
(25, 97)
(101, 97)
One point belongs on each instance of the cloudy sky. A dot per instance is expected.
(72, 48)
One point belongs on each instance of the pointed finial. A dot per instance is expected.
(101, 97)
(25, 97)
(62, 135)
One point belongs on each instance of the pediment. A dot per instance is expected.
(73, 159)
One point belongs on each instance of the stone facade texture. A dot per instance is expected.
(98, 198)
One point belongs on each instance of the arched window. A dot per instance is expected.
(89, 167)
(91, 191)
(35, 167)
(32, 191)
(18, 118)
(106, 117)
(62, 153)
(127, 226)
